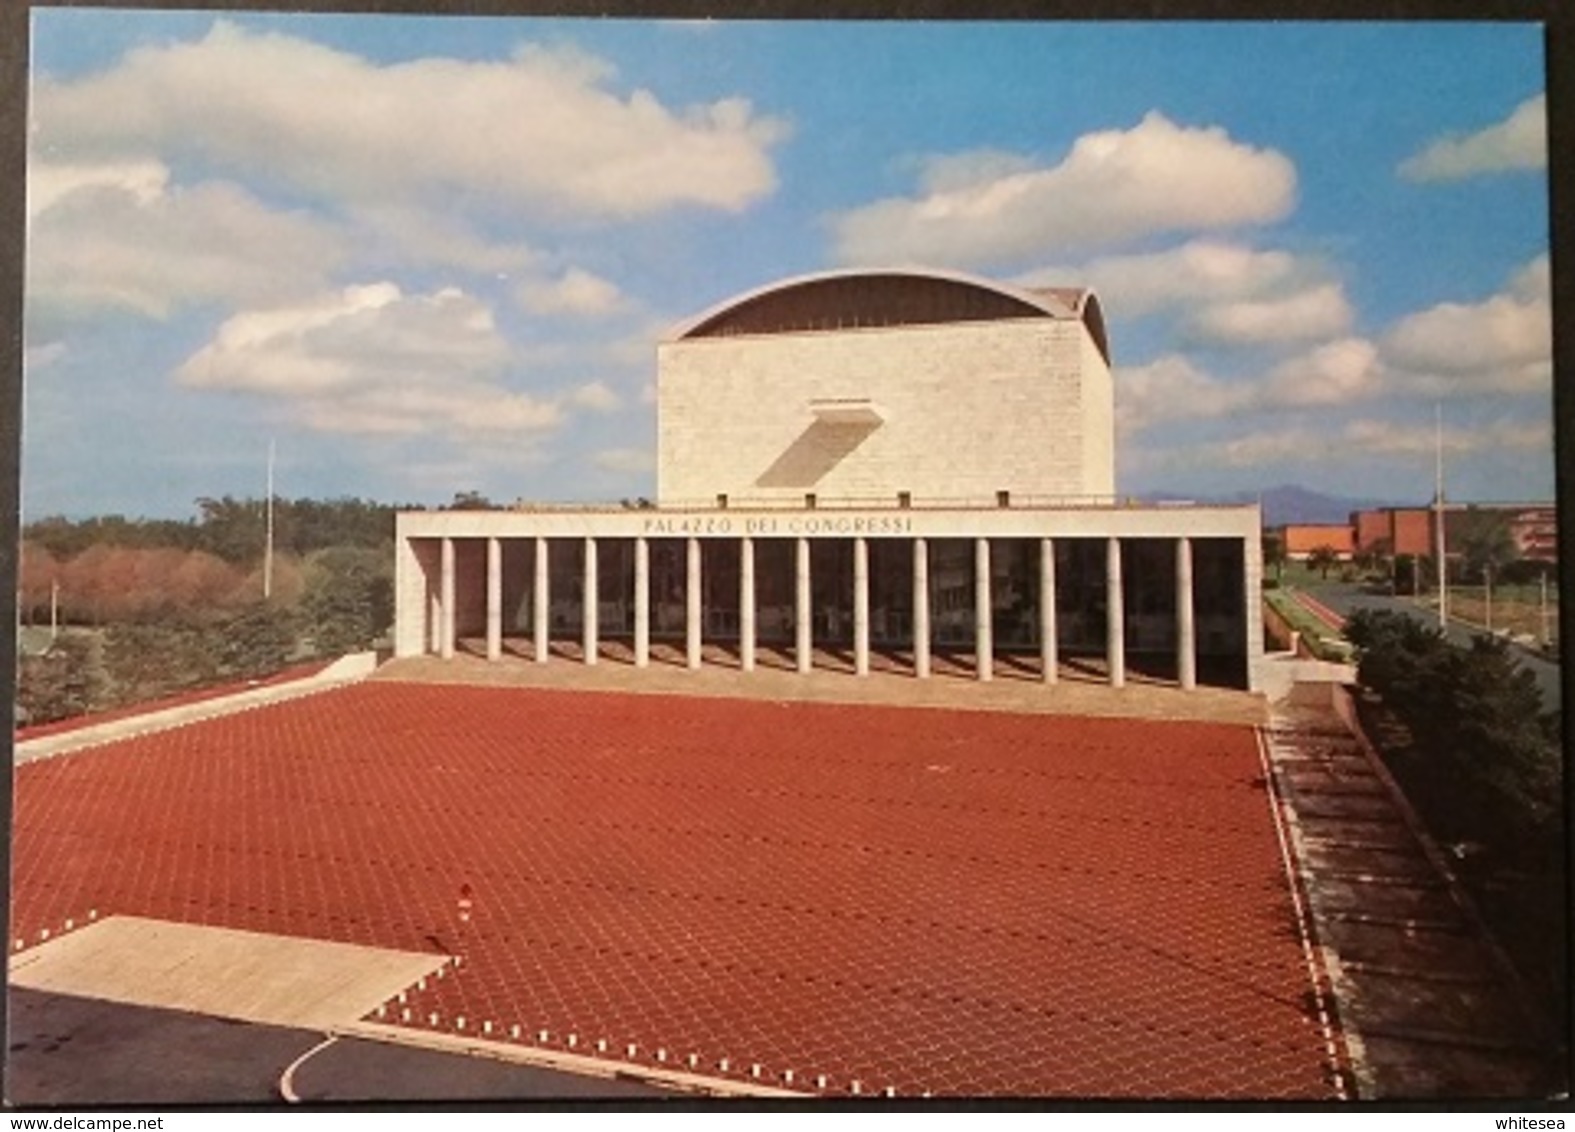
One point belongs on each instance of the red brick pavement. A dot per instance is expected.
(924, 900)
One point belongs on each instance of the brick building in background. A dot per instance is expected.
(1303, 539)
(1533, 527)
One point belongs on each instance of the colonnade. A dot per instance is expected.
(443, 608)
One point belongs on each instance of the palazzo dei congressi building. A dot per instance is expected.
(910, 463)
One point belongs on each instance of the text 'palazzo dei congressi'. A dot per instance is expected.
(908, 464)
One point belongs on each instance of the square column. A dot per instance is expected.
(1115, 615)
(746, 603)
(434, 643)
(591, 600)
(1049, 647)
(494, 599)
(446, 601)
(803, 642)
(861, 606)
(1252, 591)
(984, 638)
(1186, 634)
(921, 609)
(692, 594)
(540, 598)
(642, 602)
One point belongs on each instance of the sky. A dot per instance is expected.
(430, 255)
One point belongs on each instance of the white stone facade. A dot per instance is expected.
(955, 412)
(887, 460)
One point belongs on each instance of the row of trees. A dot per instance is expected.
(228, 528)
(153, 607)
(108, 583)
(1477, 717)
(135, 662)
(1482, 767)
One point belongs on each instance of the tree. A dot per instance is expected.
(37, 572)
(349, 601)
(234, 529)
(472, 501)
(1322, 559)
(1484, 541)
(146, 661)
(1274, 551)
(256, 642)
(202, 582)
(289, 584)
(59, 684)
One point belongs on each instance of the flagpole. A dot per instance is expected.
(268, 546)
(1438, 503)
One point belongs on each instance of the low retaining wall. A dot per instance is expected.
(1279, 630)
(345, 670)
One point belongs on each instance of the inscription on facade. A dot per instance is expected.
(779, 525)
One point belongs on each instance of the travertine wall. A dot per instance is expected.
(969, 409)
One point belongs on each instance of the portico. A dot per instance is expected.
(1093, 581)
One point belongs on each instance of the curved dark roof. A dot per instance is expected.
(840, 300)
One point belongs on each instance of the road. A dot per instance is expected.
(1346, 599)
(66, 1051)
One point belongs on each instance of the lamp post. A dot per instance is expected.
(268, 544)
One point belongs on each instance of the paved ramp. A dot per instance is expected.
(249, 976)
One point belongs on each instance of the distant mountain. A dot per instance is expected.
(1292, 503)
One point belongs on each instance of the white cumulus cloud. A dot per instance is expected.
(371, 360)
(403, 235)
(1315, 313)
(1519, 142)
(119, 235)
(1389, 438)
(1198, 271)
(1334, 373)
(542, 129)
(1114, 186)
(1173, 388)
(1503, 344)
(596, 396)
(576, 292)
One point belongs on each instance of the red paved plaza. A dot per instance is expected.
(919, 899)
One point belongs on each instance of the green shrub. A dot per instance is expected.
(1492, 770)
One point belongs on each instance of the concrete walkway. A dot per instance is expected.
(1080, 694)
(1428, 1005)
(248, 976)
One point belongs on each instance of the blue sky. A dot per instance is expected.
(434, 254)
